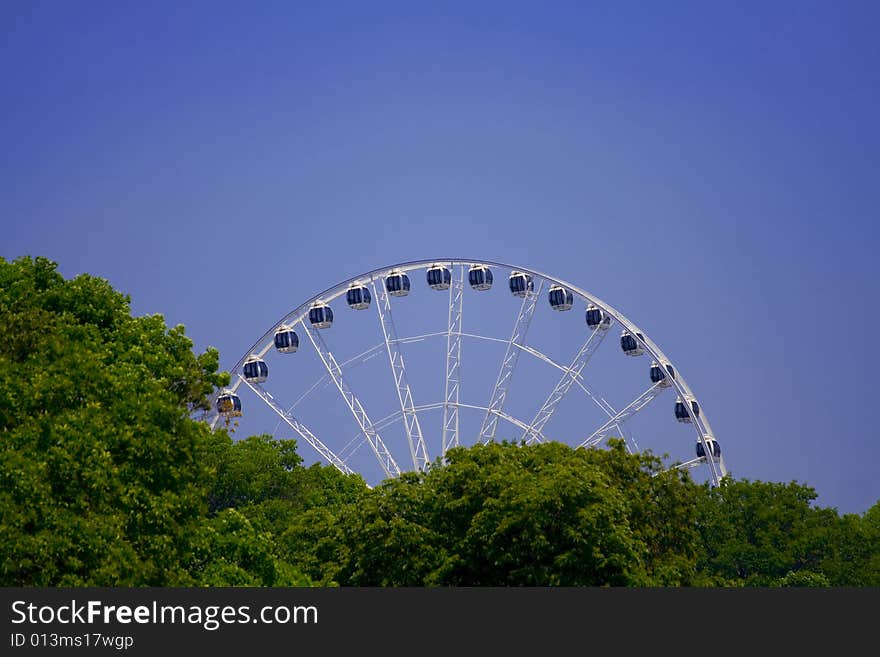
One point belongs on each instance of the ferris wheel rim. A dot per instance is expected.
(699, 420)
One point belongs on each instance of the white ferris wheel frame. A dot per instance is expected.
(493, 411)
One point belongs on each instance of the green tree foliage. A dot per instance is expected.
(103, 475)
(262, 480)
(509, 515)
(851, 552)
(230, 551)
(256, 489)
(261, 470)
(251, 471)
(871, 558)
(769, 534)
(97, 475)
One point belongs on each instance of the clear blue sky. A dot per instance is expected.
(710, 169)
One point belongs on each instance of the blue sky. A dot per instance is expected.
(709, 169)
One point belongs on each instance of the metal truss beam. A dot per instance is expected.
(418, 449)
(453, 362)
(508, 365)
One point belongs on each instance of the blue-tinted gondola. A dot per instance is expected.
(560, 298)
(228, 404)
(480, 277)
(662, 375)
(358, 296)
(255, 370)
(596, 319)
(320, 316)
(681, 411)
(520, 283)
(286, 340)
(714, 448)
(439, 277)
(397, 284)
(631, 346)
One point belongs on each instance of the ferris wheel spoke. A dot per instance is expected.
(383, 455)
(418, 449)
(623, 414)
(300, 429)
(570, 375)
(508, 364)
(453, 363)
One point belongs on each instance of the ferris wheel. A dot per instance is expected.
(443, 355)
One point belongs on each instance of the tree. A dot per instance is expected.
(101, 480)
(229, 551)
(851, 552)
(764, 534)
(553, 515)
(510, 515)
(261, 481)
